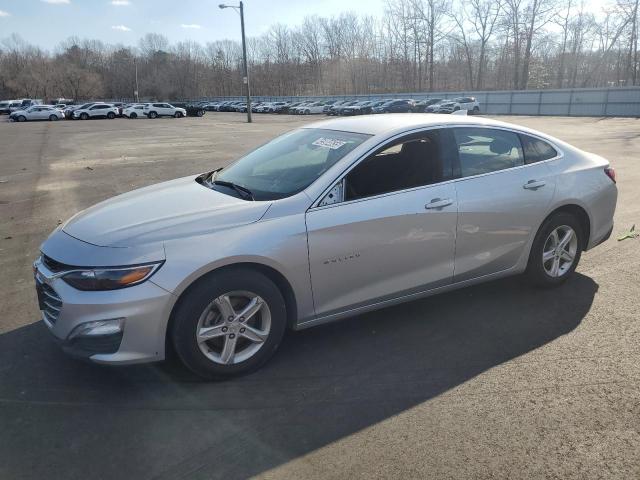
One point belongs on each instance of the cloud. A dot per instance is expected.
(193, 26)
(120, 3)
(122, 28)
(57, 2)
(4, 14)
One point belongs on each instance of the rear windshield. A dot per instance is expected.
(290, 163)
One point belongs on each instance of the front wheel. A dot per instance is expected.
(53, 118)
(22, 118)
(111, 115)
(133, 115)
(556, 250)
(229, 323)
(200, 113)
(178, 115)
(84, 116)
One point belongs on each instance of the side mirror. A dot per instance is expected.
(335, 195)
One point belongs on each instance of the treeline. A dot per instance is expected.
(418, 45)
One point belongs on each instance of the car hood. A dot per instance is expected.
(161, 212)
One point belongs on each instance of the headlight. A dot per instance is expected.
(110, 278)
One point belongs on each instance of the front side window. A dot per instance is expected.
(290, 163)
(536, 150)
(414, 161)
(485, 150)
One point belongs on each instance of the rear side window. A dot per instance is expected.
(536, 150)
(486, 150)
(414, 161)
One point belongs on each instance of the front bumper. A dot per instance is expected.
(143, 309)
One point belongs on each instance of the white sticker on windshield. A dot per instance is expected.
(331, 143)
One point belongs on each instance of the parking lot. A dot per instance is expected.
(493, 381)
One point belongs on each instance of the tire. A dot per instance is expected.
(476, 110)
(456, 109)
(111, 115)
(84, 116)
(206, 358)
(53, 118)
(543, 273)
(178, 115)
(152, 115)
(133, 115)
(22, 118)
(200, 113)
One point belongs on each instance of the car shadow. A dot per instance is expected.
(66, 418)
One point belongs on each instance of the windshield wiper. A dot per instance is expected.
(211, 180)
(242, 191)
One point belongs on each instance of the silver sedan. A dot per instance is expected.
(327, 221)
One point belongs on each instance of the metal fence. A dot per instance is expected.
(589, 102)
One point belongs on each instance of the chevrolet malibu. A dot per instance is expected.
(328, 221)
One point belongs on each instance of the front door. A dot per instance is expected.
(392, 233)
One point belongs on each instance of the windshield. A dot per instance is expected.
(290, 163)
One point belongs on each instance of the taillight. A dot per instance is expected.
(611, 173)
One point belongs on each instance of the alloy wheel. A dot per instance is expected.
(559, 251)
(233, 327)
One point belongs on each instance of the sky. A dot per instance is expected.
(47, 22)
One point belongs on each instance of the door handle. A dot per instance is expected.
(438, 203)
(534, 184)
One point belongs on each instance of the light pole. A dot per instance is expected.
(136, 92)
(245, 79)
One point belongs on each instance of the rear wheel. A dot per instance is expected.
(152, 115)
(556, 250)
(133, 115)
(229, 323)
(200, 113)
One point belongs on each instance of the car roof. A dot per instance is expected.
(398, 122)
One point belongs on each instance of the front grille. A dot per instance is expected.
(50, 302)
(55, 266)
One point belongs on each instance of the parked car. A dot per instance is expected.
(394, 106)
(453, 105)
(23, 104)
(310, 108)
(328, 221)
(210, 106)
(332, 103)
(134, 111)
(5, 107)
(421, 106)
(192, 109)
(155, 110)
(361, 108)
(96, 110)
(68, 112)
(37, 112)
(277, 107)
(336, 108)
(289, 107)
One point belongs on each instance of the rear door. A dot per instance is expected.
(98, 110)
(501, 200)
(389, 229)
